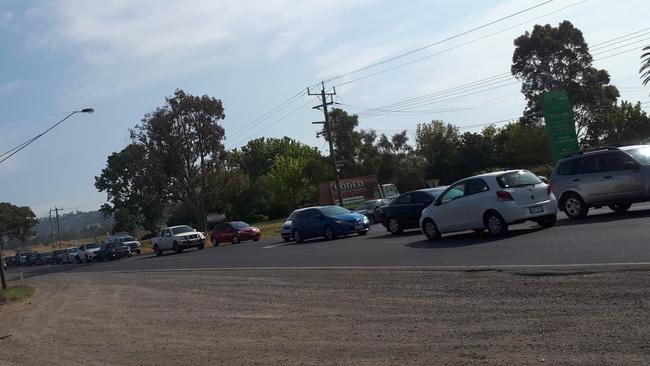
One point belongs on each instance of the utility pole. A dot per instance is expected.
(2, 267)
(58, 227)
(328, 130)
(52, 227)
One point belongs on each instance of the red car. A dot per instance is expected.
(234, 232)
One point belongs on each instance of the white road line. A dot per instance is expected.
(398, 268)
(276, 245)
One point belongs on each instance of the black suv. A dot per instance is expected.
(114, 250)
(405, 211)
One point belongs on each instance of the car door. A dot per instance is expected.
(450, 210)
(399, 208)
(420, 201)
(226, 233)
(167, 239)
(624, 180)
(316, 223)
(589, 179)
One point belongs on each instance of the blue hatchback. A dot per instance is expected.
(328, 222)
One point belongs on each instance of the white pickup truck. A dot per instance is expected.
(177, 238)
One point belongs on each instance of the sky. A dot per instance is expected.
(123, 57)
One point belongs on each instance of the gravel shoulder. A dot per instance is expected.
(356, 317)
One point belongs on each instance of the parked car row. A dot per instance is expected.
(114, 247)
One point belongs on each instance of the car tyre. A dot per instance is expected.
(393, 226)
(200, 246)
(157, 250)
(620, 207)
(495, 224)
(215, 242)
(362, 233)
(329, 233)
(574, 207)
(297, 236)
(430, 229)
(235, 239)
(548, 221)
(177, 249)
(286, 240)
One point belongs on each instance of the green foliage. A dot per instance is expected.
(285, 185)
(136, 187)
(437, 144)
(626, 124)
(556, 58)
(16, 222)
(645, 66)
(525, 145)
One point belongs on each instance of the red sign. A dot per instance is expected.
(354, 190)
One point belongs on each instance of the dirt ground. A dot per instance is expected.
(355, 317)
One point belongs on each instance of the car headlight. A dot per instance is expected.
(201, 236)
(338, 221)
(365, 219)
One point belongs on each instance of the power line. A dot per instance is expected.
(617, 38)
(33, 117)
(455, 47)
(378, 63)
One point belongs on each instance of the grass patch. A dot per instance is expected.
(16, 293)
(270, 229)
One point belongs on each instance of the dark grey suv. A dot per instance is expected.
(615, 177)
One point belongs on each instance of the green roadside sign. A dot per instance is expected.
(560, 125)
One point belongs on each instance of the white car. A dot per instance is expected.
(490, 201)
(177, 238)
(88, 252)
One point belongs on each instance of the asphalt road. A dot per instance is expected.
(603, 237)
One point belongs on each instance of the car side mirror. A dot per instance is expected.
(437, 202)
(543, 179)
(631, 165)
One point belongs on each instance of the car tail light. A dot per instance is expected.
(549, 188)
(503, 196)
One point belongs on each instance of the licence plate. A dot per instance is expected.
(358, 227)
(536, 209)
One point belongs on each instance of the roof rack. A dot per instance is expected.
(591, 150)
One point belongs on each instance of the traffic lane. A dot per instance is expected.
(604, 237)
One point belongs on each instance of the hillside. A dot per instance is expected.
(74, 225)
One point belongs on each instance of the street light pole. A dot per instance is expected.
(8, 154)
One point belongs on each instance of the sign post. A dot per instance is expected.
(560, 125)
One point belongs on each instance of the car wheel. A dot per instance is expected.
(393, 226)
(177, 249)
(286, 240)
(297, 236)
(495, 224)
(620, 207)
(329, 233)
(235, 239)
(430, 229)
(371, 219)
(200, 246)
(215, 242)
(548, 221)
(574, 207)
(362, 233)
(157, 250)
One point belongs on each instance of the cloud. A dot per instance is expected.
(11, 87)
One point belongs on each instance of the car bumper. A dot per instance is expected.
(343, 229)
(192, 243)
(514, 213)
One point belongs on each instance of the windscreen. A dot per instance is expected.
(239, 224)
(334, 210)
(641, 154)
(182, 229)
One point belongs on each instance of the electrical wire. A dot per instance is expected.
(381, 62)
(455, 47)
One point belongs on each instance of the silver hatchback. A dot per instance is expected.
(615, 177)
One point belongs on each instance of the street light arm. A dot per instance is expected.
(16, 149)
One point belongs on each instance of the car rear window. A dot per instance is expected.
(566, 168)
(521, 178)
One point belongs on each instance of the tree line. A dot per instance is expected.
(176, 169)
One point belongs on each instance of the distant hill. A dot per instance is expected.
(74, 225)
